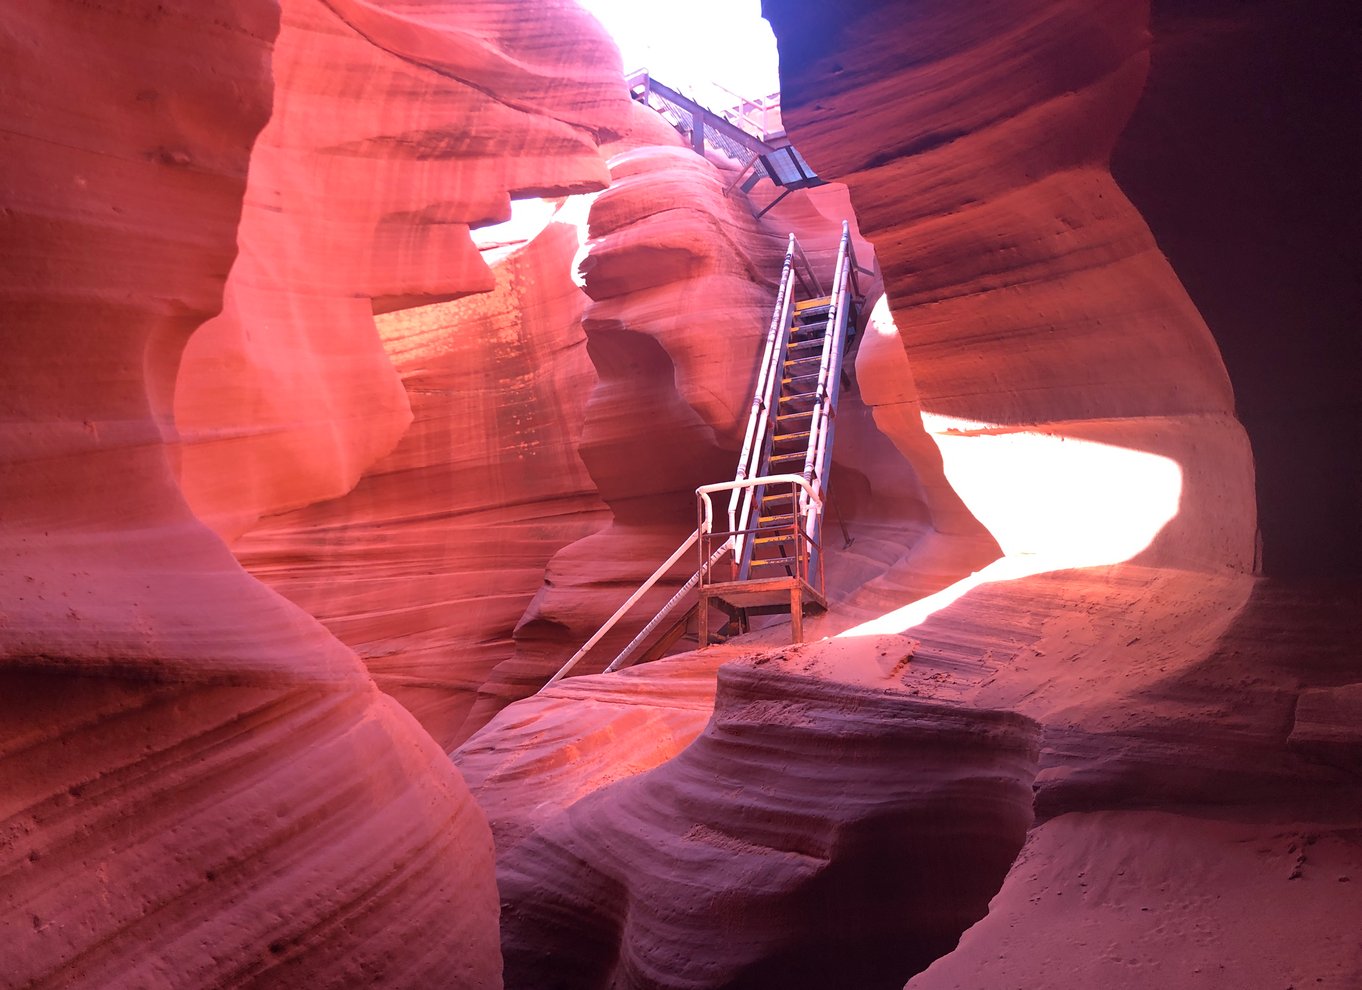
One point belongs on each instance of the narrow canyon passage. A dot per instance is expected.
(363, 356)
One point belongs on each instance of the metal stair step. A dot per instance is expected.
(804, 344)
(803, 360)
(798, 395)
(797, 455)
(781, 437)
(772, 561)
(794, 415)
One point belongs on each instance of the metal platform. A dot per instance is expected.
(761, 596)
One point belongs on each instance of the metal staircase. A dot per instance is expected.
(763, 554)
(763, 155)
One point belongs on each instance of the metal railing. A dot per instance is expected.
(806, 490)
(805, 503)
(624, 609)
(818, 461)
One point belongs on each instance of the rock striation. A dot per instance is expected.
(426, 567)
(719, 868)
(201, 786)
(393, 132)
(1063, 404)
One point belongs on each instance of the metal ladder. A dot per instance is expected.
(764, 555)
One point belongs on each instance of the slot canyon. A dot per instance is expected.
(362, 356)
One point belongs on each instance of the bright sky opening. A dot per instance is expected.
(701, 47)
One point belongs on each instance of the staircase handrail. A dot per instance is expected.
(759, 419)
(813, 275)
(815, 500)
(624, 609)
(856, 269)
(829, 372)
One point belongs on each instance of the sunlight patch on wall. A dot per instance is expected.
(1051, 502)
(1076, 503)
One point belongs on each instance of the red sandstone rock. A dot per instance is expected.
(1083, 417)
(533, 759)
(393, 132)
(429, 564)
(200, 785)
(1001, 232)
(720, 867)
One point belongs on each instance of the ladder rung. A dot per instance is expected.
(798, 395)
(788, 517)
(769, 561)
(794, 415)
(779, 437)
(808, 304)
(781, 538)
(797, 378)
(805, 343)
(803, 360)
(798, 455)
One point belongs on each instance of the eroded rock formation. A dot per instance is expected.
(427, 566)
(1052, 503)
(201, 786)
(1048, 342)
(722, 866)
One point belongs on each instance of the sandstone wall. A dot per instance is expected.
(426, 567)
(1082, 415)
(1242, 156)
(201, 786)
(394, 130)
(1030, 295)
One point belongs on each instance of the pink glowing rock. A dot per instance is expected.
(431, 561)
(1001, 232)
(388, 141)
(201, 786)
(722, 866)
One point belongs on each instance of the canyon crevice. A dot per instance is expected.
(363, 356)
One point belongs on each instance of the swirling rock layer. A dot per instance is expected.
(182, 835)
(813, 836)
(199, 786)
(427, 566)
(395, 129)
